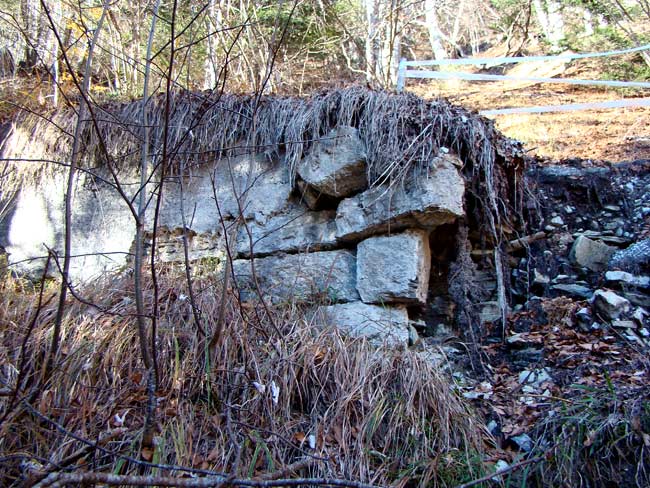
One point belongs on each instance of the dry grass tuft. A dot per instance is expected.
(385, 417)
(597, 437)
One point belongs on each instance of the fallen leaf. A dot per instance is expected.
(299, 437)
(147, 454)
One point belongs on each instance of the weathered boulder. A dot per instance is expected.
(394, 268)
(426, 202)
(609, 304)
(296, 230)
(590, 254)
(327, 276)
(379, 325)
(336, 164)
(102, 226)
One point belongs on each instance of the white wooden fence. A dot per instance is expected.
(404, 73)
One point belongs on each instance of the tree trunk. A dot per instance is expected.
(549, 16)
(210, 67)
(433, 27)
(30, 12)
(371, 40)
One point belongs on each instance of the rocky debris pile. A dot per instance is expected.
(597, 249)
(580, 296)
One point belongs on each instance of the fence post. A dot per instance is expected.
(401, 78)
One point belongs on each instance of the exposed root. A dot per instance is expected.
(402, 134)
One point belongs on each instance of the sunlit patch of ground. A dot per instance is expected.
(613, 134)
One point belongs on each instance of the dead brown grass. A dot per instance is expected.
(385, 417)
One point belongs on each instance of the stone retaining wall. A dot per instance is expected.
(361, 253)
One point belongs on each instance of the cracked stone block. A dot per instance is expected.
(425, 202)
(380, 325)
(394, 268)
(329, 276)
(297, 230)
(336, 164)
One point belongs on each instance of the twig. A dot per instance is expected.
(520, 243)
(292, 468)
(41, 474)
(57, 480)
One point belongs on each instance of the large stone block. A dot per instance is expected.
(297, 230)
(336, 164)
(259, 185)
(426, 202)
(327, 276)
(394, 268)
(609, 304)
(379, 325)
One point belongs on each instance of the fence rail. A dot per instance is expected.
(404, 73)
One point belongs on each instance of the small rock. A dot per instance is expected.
(535, 377)
(644, 332)
(524, 442)
(561, 277)
(639, 315)
(638, 299)
(609, 304)
(584, 317)
(628, 278)
(540, 278)
(612, 208)
(573, 290)
(414, 338)
(623, 324)
(557, 221)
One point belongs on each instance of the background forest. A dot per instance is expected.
(296, 46)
